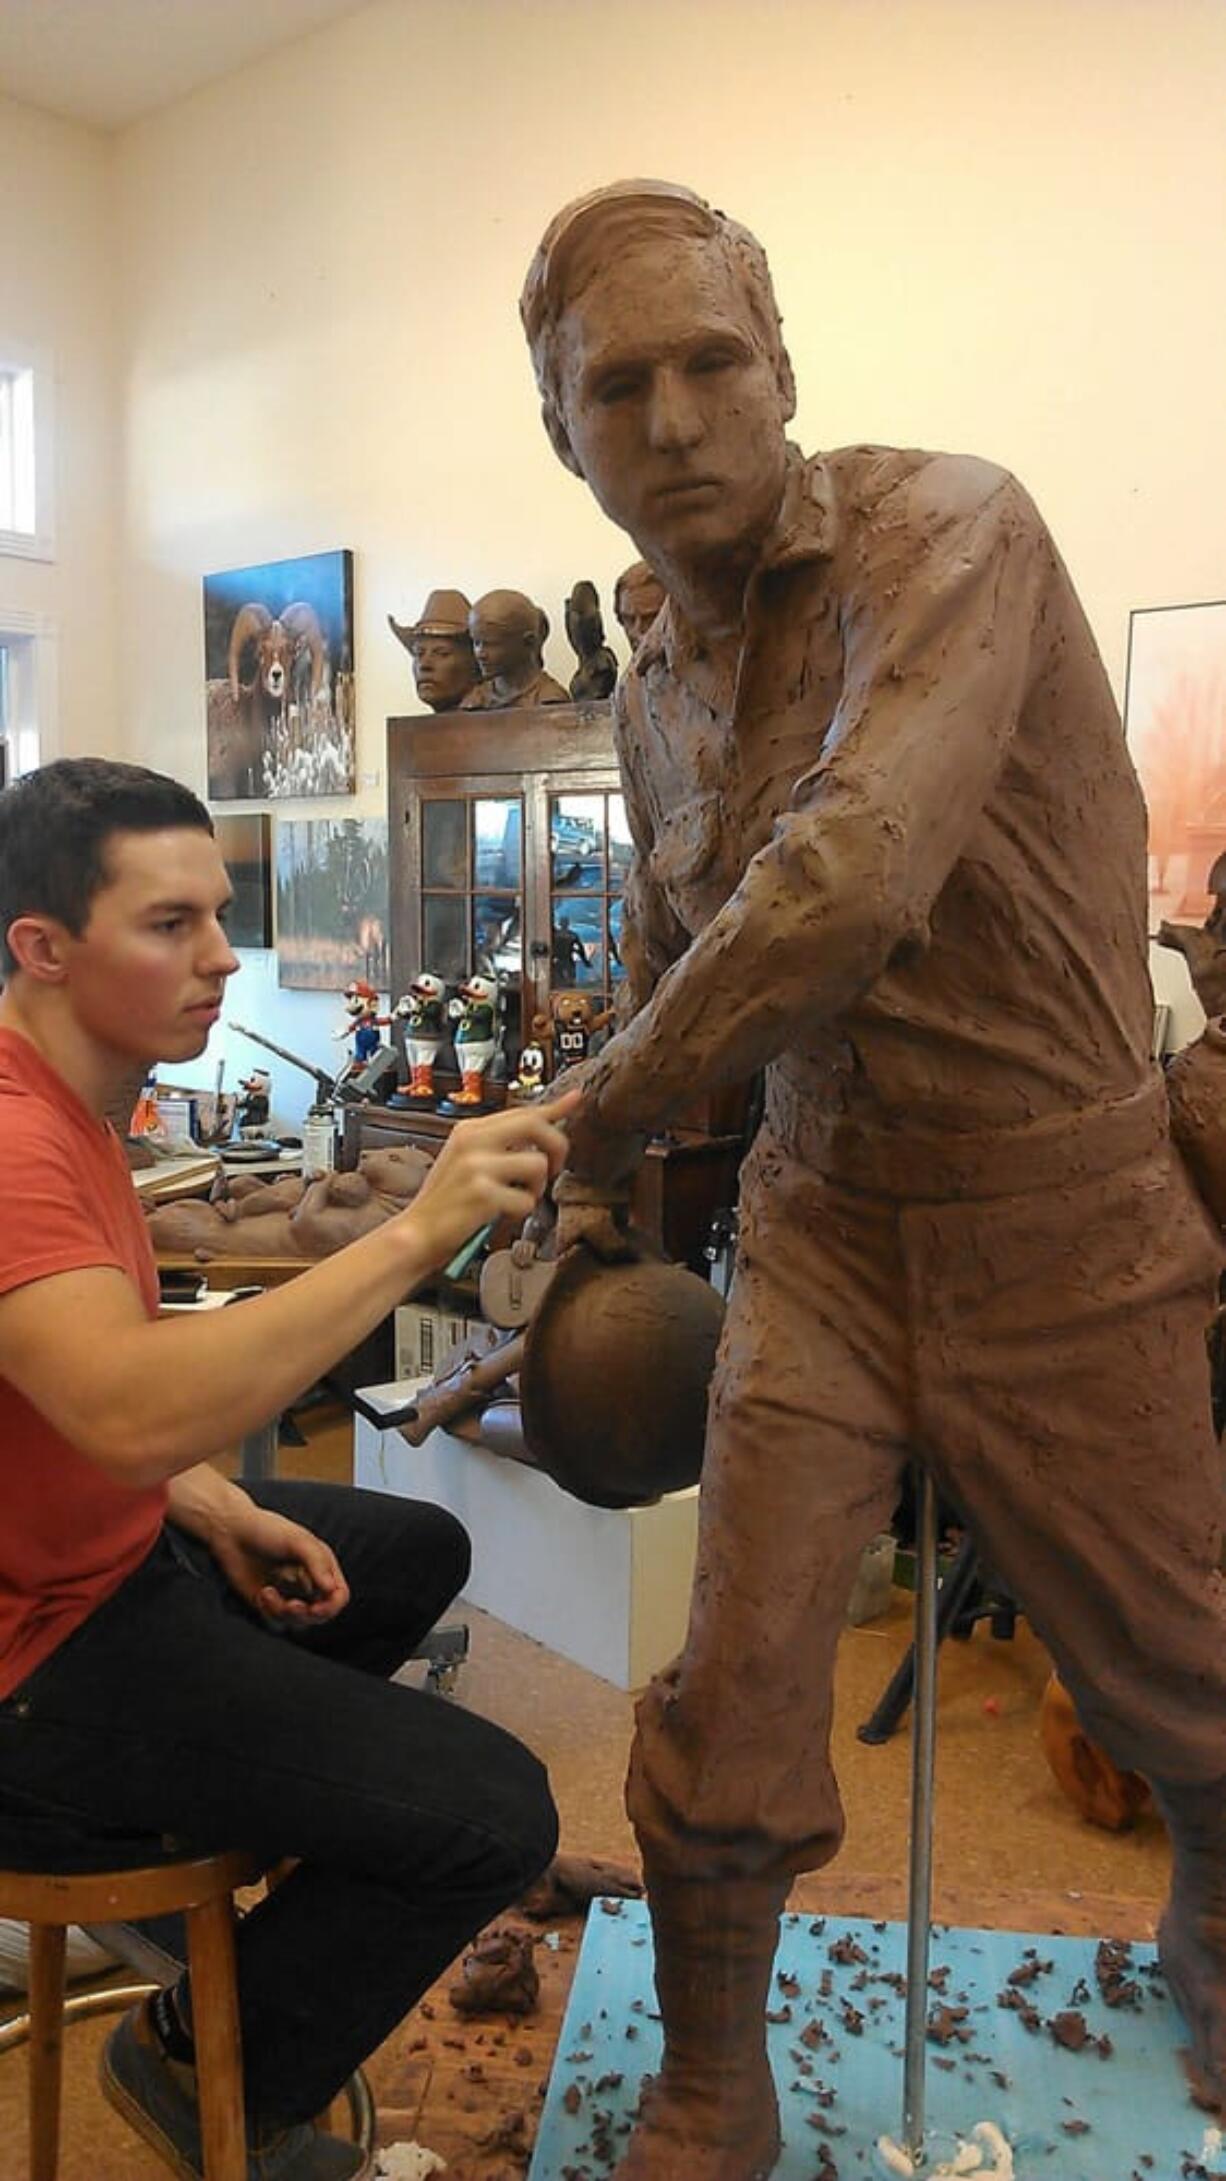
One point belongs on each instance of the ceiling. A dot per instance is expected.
(107, 62)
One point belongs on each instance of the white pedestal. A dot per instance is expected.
(608, 1589)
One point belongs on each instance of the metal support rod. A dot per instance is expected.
(923, 1756)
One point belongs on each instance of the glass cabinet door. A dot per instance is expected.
(589, 853)
(472, 892)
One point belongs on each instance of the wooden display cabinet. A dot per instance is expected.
(508, 850)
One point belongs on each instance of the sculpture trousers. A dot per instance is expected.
(1045, 1354)
(175, 1710)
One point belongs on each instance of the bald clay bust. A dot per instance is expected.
(508, 634)
(879, 792)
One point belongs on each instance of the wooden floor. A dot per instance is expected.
(1008, 1852)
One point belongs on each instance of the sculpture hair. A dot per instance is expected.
(593, 230)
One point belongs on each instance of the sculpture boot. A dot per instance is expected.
(711, 2114)
(1192, 1933)
(422, 1085)
(470, 1091)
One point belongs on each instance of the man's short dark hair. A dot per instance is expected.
(54, 828)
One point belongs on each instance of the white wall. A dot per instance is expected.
(58, 249)
(993, 227)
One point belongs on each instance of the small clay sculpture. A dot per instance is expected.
(444, 663)
(291, 1218)
(572, 1882)
(509, 634)
(498, 1975)
(889, 848)
(597, 669)
(1204, 951)
(638, 596)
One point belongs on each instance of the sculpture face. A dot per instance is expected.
(503, 652)
(639, 599)
(444, 670)
(675, 414)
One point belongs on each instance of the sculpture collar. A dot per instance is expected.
(804, 530)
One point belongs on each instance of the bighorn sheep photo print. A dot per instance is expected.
(278, 645)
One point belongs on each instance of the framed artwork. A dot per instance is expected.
(246, 847)
(1175, 721)
(278, 663)
(332, 902)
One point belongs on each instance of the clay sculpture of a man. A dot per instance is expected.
(597, 669)
(509, 634)
(889, 846)
(638, 595)
(444, 663)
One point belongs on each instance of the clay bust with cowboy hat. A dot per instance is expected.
(444, 663)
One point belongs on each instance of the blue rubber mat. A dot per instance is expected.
(1022, 2032)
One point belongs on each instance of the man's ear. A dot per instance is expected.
(785, 379)
(559, 440)
(38, 945)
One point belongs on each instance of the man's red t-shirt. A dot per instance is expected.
(68, 1533)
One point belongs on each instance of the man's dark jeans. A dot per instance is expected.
(175, 1710)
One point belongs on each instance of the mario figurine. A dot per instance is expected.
(474, 1012)
(422, 1017)
(363, 1021)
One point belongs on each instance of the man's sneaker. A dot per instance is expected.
(157, 2097)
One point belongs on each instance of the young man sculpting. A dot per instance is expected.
(154, 1679)
(890, 847)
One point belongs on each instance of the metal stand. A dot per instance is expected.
(963, 1598)
(923, 1759)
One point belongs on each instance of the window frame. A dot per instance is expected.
(21, 361)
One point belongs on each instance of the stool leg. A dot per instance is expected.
(46, 2042)
(219, 2064)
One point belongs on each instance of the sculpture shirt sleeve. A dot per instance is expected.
(938, 622)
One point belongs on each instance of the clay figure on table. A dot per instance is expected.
(638, 595)
(181, 1691)
(597, 669)
(421, 1015)
(444, 663)
(509, 635)
(889, 847)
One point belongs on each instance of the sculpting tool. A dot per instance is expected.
(466, 1253)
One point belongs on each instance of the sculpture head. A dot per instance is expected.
(638, 596)
(508, 634)
(664, 381)
(444, 667)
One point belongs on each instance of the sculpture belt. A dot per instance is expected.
(926, 1166)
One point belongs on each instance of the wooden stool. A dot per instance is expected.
(202, 1886)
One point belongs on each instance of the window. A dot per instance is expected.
(27, 691)
(26, 453)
